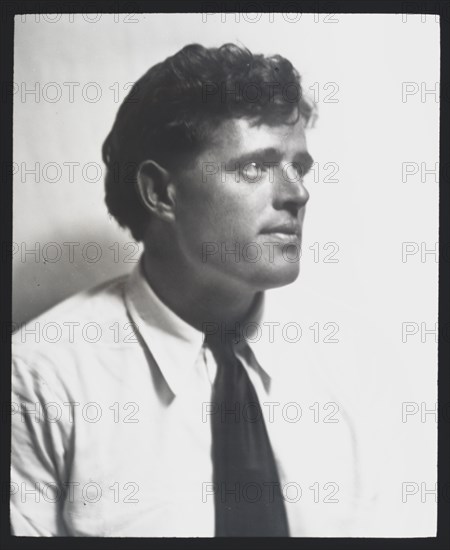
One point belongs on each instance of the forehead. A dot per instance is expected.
(240, 135)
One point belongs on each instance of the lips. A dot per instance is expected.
(286, 233)
(288, 228)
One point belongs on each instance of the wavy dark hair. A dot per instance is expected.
(169, 113)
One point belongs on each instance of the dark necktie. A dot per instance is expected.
(248, 497)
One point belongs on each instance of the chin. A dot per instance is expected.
(274, 276)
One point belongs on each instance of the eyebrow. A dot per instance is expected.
(271, 154)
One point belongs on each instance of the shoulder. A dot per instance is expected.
(50, 346)
(96, 305)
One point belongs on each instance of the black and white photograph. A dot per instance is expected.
(225, 267)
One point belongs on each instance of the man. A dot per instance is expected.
(193, 409)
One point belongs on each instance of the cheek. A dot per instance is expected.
(203, 217)
(219, 211)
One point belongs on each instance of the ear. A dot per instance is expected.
(156, 189)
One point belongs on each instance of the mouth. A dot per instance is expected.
(286, 232)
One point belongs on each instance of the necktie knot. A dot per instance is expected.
(223, 350)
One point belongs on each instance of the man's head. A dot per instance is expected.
(205, 165)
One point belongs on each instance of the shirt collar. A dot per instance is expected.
(175, 344)
(257, 335)
(277, 341)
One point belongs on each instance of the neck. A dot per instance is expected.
(194, 300)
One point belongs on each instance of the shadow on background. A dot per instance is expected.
(47, 271)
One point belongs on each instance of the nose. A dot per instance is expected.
(290, 192)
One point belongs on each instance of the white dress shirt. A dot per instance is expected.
(110, 428)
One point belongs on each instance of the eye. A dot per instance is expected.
(294, 171)
(251, 171)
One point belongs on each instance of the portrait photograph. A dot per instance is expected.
(225, 268)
